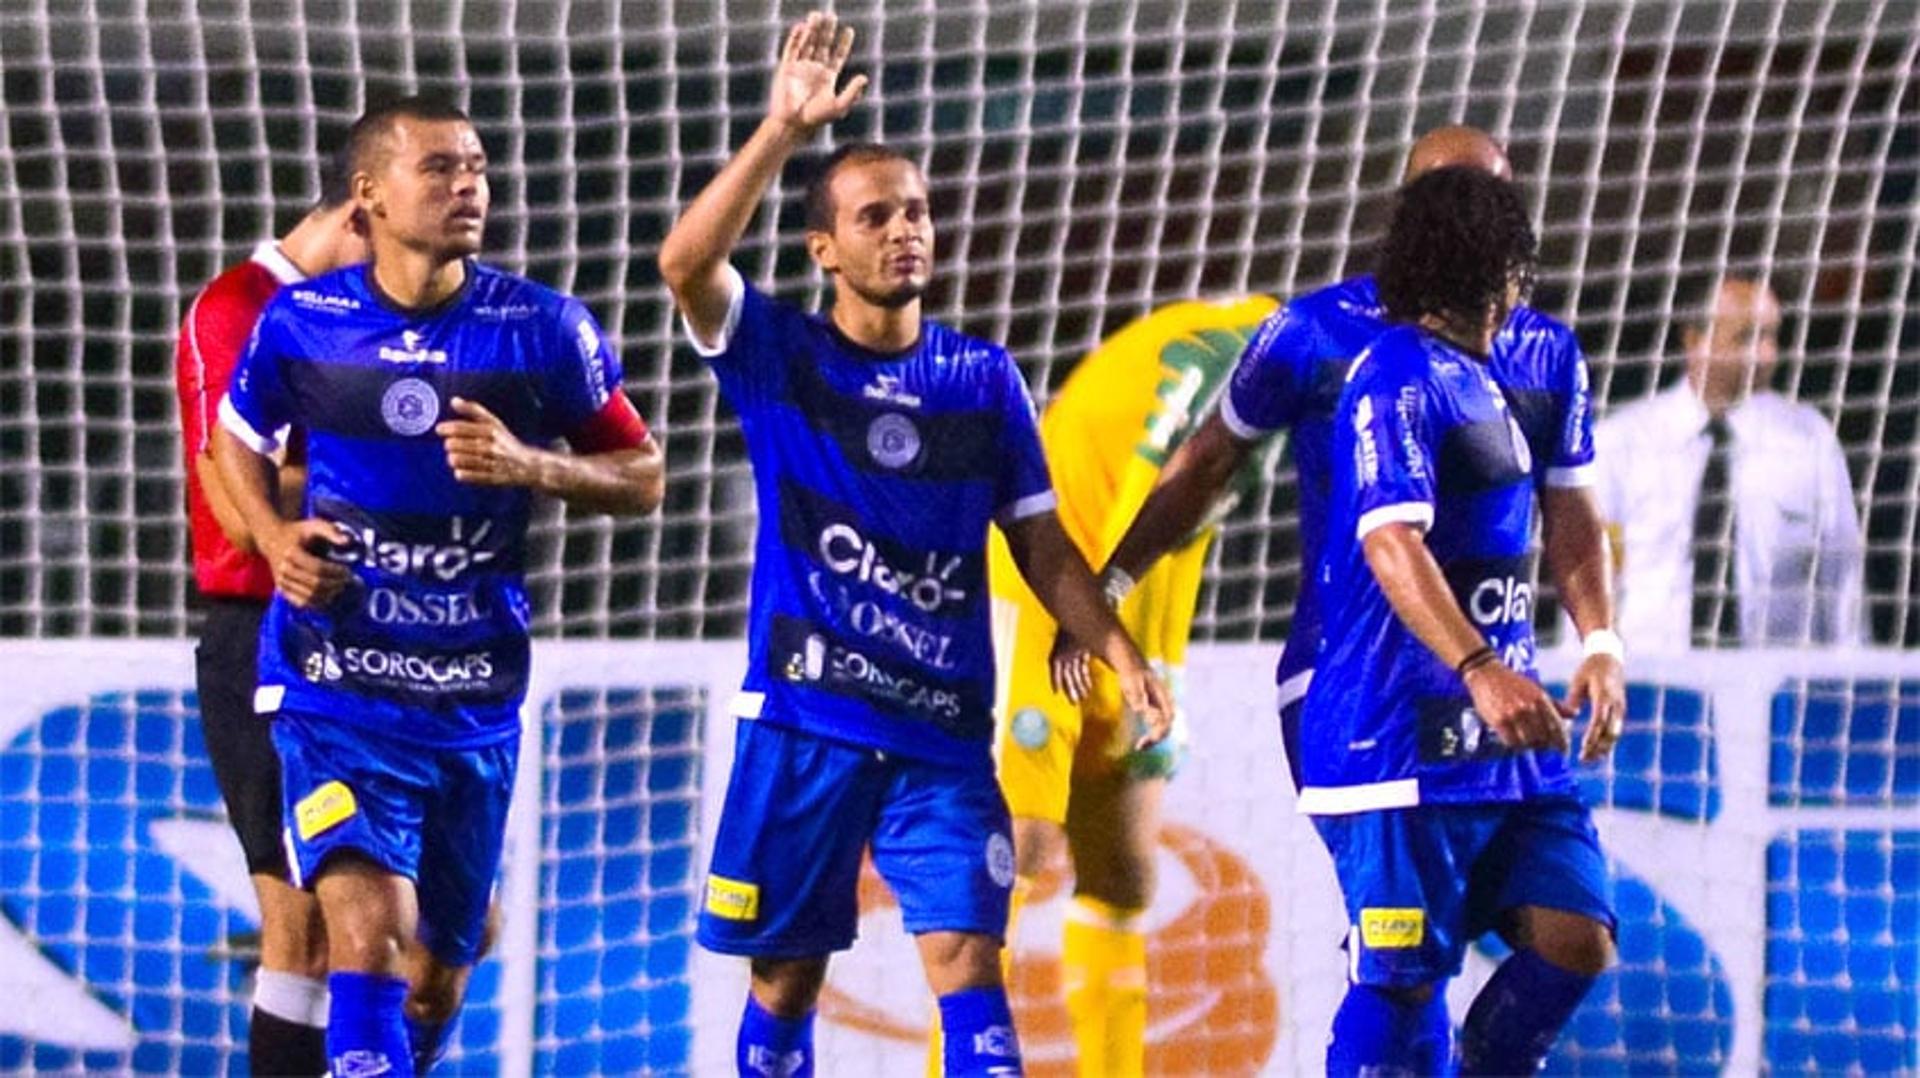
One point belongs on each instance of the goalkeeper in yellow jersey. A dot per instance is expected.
(1068, 769)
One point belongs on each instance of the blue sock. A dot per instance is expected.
(367, 1025)
(1517, 1016)
(1381, 1033)
(429, 1041)
(774, 1047)
(976, 1027)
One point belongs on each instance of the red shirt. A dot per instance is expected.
(212, 339)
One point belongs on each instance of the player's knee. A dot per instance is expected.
(960, 960)
(434, 1000)
(1572, 942)
(788, 987)
(1037, 843)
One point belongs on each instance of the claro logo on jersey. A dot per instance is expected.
(845, 551)
(464, 550)
(1500, 601)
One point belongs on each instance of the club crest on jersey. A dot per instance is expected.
(893, 441)
(410, 407)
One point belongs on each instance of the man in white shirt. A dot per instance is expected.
(1730, 507)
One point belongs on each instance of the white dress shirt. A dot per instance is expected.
(1798, 553)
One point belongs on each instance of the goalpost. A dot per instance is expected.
(1090, 160)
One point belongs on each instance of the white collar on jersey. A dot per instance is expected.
(268, 254)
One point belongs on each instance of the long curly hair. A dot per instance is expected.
(1458, 237)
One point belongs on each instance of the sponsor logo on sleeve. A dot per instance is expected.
(732, 900)
(327, 807)
(1387, 928)
(1366, 451)
(594, 361)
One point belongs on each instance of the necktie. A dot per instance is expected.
(1716, 602)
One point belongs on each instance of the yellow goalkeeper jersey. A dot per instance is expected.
(1130, 403)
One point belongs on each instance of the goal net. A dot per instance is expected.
(1089, 161)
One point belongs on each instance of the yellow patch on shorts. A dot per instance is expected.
(1385, 928)
(732, 900)
(328, 806)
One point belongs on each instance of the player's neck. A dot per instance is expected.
(414, 279)
(1475, 340)
(877, 328)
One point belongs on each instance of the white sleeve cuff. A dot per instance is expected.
(1022, 508)
(1241, 429)
(1580, 475)
(736, 298)
(1419, 514)
(236, 424)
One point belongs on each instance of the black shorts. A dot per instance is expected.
(239, 742)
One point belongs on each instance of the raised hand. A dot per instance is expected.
(810, 63)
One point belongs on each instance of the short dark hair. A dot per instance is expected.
(1458, 237)
(369, 133)
(820, 208)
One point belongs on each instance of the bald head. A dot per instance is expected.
(1456, 145)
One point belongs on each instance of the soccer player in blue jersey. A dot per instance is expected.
(882, 444)
(1434, 763)
(393, 661)
(1289, 379)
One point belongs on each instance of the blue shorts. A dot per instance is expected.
(1421, 883)
(435, 816)
(800, 809)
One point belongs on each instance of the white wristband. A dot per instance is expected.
(1115, 583)
(1603, 642)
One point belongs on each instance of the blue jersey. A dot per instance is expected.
(875, 477)
(1426, 435)
(1290, 377)
(429, 641)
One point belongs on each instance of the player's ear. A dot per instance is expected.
(825, 252)
(364, 196)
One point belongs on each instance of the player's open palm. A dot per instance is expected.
(816, 50)
(296, 554)
(1518, 711)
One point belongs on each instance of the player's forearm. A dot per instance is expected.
(1417, 589)
(1053, 567)
(225, 513)
(625, 482)
(696, 250)
(1574, 541)
(247, 481)
(1187, 489)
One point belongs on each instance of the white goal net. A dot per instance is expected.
(1090, 160)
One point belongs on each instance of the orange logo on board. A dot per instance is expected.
(1212, 1008)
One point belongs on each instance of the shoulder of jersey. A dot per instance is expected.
(336, 293)
(1397, 350)
(507, 297)
(1527, 323)
(952, 346)
(1354, 297)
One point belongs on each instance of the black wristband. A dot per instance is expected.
(1476, 659)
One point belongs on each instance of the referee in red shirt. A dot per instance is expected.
(287, 1027)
